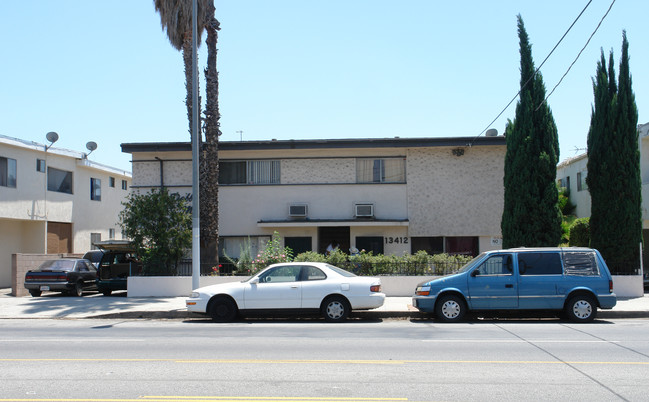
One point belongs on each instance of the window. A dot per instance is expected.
(462, 245)
(249, 172)
(124, 185)
(298, 245)
(580, 263)
(40, 165)
(539, 264)
(59, 180)
(8, 172)
(565, 183)
(94, 238)
(496, 265)
(431, 245)
(95, 189)
(111, 181)
(111, 233)
(312, 274)
(581, 181)
(370, 243)
(287, 273)
(391, 170)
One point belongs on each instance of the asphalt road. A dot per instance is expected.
(310, 360)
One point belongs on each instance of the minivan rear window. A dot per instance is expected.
(580, 263)
(539, 264)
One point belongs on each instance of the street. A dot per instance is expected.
(310, 360)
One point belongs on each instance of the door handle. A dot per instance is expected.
(509, 285)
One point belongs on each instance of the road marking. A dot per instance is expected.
(213, 398)
(513, 341)
(282, 361)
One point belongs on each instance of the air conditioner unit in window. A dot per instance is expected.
(364, 210)
(297, 210)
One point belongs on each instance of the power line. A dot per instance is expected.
(579, 54)
(536, 71)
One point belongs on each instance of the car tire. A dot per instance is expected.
(450, 308)
(77, 291)
(35, 292)
(223, 309)
(335, 309)
(581, 308)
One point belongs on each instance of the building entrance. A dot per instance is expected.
(331, 235)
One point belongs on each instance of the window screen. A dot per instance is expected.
(539, 264)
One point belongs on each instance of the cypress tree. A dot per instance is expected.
(614, 167)
(531, 215)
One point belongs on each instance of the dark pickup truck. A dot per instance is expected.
(67, 275)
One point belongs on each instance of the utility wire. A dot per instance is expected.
(580, 52)
(536, 71)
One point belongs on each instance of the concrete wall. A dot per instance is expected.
(21, 263)
(393, 286)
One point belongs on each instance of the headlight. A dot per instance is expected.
(423, 291)
(195, 295)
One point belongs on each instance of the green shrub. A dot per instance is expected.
(580, 233)
(310, 256)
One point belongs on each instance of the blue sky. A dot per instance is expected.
(104, 71)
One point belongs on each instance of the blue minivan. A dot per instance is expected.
(575, 281)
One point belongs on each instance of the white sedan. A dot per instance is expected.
(289, 288)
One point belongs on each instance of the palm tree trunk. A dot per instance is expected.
(209, 188)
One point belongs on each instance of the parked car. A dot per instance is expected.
(68, 275)
(574, 281)
(290, 288)
(94, 256)
(117, 263)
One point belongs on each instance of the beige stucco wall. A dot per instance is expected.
(338, 170)
(452, 195)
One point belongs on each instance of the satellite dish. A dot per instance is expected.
(52, 137)
(91, 146)
(492, 132)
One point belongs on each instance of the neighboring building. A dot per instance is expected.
(54, 200)
(572, 172)
(388, 196)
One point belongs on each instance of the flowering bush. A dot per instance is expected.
(273, 253)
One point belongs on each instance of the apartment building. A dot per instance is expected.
(388, 196)
(54, 200)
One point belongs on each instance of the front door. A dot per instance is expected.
(492, 285)
(278, 288)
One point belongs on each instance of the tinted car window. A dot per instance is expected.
(580, 263)
(289, 273)
(57, 265)
(539, 264)
(496, 265)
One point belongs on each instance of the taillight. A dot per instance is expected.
(29, 277)
(610, 286)
(61, 278)
(375, 288)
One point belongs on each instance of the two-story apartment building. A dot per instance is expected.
(54, 200)
(388, 196)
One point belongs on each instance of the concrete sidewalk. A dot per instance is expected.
(94, 305)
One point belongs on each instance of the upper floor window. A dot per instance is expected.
(581, 181)
(249, 172)
(59, 180)
(111, 181)
(389, 170)
(40, 165)
(8, 172)
(124, 185)
(95, 189)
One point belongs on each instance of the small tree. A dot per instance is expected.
(159, 226)
(272, 254)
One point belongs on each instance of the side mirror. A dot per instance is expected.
(254, 280)
(475, 273)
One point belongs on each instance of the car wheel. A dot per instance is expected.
(335, 309)
(35, 293)
(78, 290)
(450, 308)
(581, 308)
(223, 310)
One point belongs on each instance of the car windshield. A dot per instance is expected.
(57, 265)
(340, 271)
(470, 264)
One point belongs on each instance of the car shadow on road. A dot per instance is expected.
(508, 319)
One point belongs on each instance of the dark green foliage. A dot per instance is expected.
(159, 226)
(580, 233)
(531, 215)
(614, 167)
